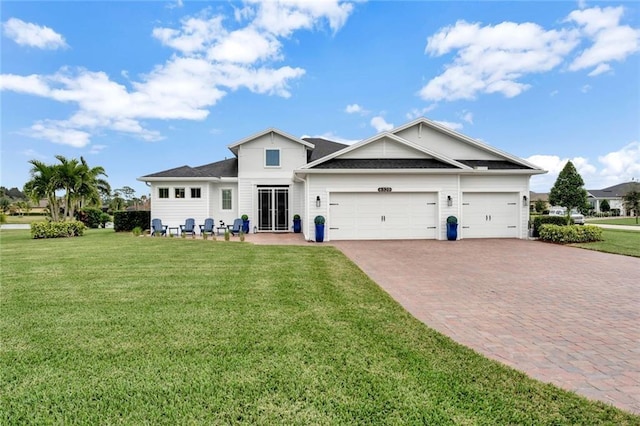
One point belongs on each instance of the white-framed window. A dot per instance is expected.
(272, 157)
(226, 201)
(196, 193)
(179, 192)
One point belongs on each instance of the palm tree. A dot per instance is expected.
(43, 184)
(89, 186)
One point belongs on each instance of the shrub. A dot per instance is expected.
(227, 235)
(244, 217)
(90, 216)
(452, 219)
(137, 231)
(3, 218)
(125, 221)
(538, 221)
(73, 228)
(296, 217)
(319, 220)
(570, 234)
(104, 218)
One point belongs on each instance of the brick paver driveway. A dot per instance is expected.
(563, 315)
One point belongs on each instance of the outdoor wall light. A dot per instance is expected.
(318, 201)
(524, 201)
(449, 201)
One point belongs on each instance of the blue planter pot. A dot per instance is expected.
(319, 233)
(452, 231)
(245, 226)
(297, 226)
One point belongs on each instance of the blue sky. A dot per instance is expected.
(140, 87)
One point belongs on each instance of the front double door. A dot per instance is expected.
(273, 209)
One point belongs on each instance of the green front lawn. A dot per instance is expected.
(110, 328)
(616, 241)
(25, 219)
(615, 221)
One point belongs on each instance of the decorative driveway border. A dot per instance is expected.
(562, 315)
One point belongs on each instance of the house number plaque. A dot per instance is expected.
(384, 189)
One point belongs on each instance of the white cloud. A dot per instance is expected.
(353, 109)
(491, 59)
(585, 88)
(611, 41)
(97, 149)
(600, 69)
(612, 168)
(467, 116)
(416, 113)
(28, 34)
(331, 136)
(624, 164)
(496, 58)
(380, 124)
(553, 93)
(450, 124)
(209, 62)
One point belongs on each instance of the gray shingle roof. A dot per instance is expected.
(224, 168)
(494, 164)
(384, 163)
(618, 190)
(323, 147)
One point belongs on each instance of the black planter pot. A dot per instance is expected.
(319, 233)
(297, 226)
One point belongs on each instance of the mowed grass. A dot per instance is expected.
(631, 221)
(110, 328)
(616, 241)
(15, 219)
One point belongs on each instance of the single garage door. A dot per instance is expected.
(382, 215)
(489, 215)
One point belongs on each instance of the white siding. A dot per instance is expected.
(385, 148)
(174, 211)
(251, 163)
(445, 144)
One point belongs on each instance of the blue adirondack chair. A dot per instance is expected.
(237, 227)
(158, 228)
(208, 227)
(189, 227)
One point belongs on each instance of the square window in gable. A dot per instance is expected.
(272, 157)
(196, 193)
(179, 192)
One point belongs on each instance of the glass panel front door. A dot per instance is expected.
(273, 209)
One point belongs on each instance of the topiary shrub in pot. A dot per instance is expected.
(297, 224)
(319, 222)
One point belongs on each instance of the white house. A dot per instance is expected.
(401, 184)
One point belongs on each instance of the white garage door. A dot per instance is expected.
(489, 215)
(382, 215)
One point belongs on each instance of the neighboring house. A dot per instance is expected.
(613, 195)
(538, 196)
(401, 184)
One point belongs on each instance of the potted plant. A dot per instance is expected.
(297, 225)
(319, 221)
(452, 228)
(245, 223)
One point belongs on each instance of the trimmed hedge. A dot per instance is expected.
(125, 221)
(538, 221)
(90, 216)
(570, 234)
(57, 229)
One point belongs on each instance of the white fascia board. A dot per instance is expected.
(234, 146)
(464, 138)
(179, 179)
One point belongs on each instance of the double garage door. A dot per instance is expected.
(490, 215)
(382, 215)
